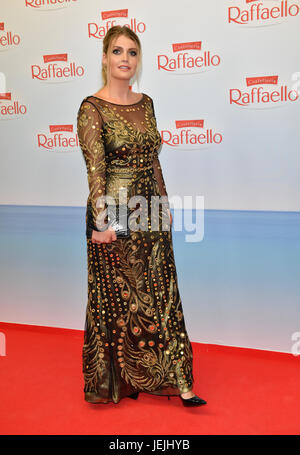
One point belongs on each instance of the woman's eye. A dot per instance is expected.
(118, 50)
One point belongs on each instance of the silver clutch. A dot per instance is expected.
(118, 220)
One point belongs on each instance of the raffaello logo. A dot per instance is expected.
(56, 72)
(194, 61)
(59, 137)
(8, 39)
(111, 18)
(261, 13)
(48, 4)
(9, 108)
(187, 135)
(262, 94)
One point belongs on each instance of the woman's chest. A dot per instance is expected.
(129, 129)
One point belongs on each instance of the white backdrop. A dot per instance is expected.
(201, 63)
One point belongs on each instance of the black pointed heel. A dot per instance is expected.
(134, 395)
(193, 401)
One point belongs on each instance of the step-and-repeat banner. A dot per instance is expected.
(225, 80)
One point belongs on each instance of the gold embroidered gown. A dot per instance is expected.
(135, 337)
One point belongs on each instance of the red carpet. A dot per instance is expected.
(247, 391)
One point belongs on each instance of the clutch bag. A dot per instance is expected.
(117, 219)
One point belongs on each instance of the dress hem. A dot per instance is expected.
(93, 398)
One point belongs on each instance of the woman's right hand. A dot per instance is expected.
(107, 236)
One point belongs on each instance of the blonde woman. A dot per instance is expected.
(135, 338)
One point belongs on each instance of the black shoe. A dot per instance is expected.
(134, 395)
(193, 401)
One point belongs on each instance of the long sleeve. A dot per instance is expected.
(157, 167)
(90, 130)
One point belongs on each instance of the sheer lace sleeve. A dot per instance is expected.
(89, 130)
(157, 167)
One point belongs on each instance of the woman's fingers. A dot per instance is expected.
(112, 237)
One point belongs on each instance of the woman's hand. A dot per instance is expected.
(107, 236)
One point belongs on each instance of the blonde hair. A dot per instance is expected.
(108, 42)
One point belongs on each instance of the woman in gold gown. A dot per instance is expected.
(135, 338)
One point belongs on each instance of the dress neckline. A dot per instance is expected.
(116, 104)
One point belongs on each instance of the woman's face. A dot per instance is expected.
(123, 58)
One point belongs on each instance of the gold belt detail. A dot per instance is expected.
(127, 169)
